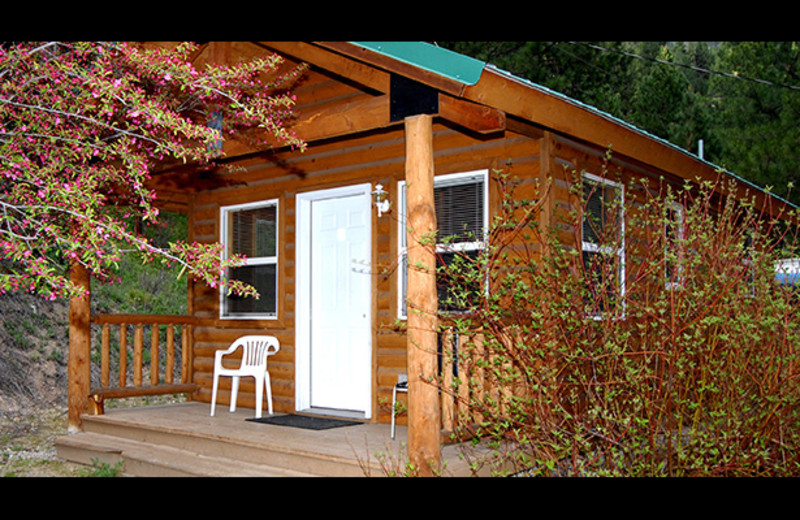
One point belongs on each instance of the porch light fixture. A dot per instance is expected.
(381, 199)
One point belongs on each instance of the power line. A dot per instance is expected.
(691, 67)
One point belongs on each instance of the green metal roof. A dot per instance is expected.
(435, 59)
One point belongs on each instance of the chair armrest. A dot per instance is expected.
(219, 354)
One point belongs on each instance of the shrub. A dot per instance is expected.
(678, 357)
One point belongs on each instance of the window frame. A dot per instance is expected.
(675, 278)
(225, 212)
(451, 179)
(591, 247)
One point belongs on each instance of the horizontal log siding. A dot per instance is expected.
(373, 158)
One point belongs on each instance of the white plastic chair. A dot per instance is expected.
(254, 364)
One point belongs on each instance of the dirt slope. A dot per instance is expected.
(34, 340)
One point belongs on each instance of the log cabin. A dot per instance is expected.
(406, 120)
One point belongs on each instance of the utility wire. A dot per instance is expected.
(691, 67)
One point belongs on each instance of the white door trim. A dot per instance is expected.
(303, 290)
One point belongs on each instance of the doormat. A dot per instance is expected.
(303, 421)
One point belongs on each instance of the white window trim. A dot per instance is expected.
(264, 260)
(441, 180)
(595, 248)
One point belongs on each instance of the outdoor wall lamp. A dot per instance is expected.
(381, 199)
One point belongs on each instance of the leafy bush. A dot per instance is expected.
(677, 358)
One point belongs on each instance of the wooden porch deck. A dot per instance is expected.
(184, 440)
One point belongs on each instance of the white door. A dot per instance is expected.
(338, 302)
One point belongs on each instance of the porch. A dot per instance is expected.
(183, 440)
(185, 363)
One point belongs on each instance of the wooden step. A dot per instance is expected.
(184, 440)
(143, 459)
(152, 443)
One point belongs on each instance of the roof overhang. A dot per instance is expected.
(481, 98)
(431, 58)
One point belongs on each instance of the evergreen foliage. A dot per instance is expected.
(741, 99)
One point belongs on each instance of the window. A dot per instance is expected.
(462, 219)
(673, 248)
(750, 268)
(251, 230)
(602, 243)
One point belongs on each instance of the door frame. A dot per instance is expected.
(302, 329)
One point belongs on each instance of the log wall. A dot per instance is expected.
(374, 158)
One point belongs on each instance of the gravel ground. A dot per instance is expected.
(27, 433)
(26, 444)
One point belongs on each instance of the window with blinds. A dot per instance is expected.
(603, 248)
(251, 230)
(461, 204)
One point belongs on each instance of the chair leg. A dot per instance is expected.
(214, 386)
(234, 392)
(259, 396)
(268, 386)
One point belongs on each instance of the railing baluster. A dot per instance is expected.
(185, 353)
(463, 375)
(105, 364)
(123, 355)
(154, 354)
(480, 373)
(138, 356)
(170, 354)
(447, 397)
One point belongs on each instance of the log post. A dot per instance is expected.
(79, 377)
(424, 448)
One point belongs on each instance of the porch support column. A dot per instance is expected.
(79, 378)
(424, 448)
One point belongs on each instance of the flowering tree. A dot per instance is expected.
(82, 126)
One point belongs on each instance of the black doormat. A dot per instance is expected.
(304, 421)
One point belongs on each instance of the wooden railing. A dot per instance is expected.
(466, 380)
(457, 386)
(135, 377)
